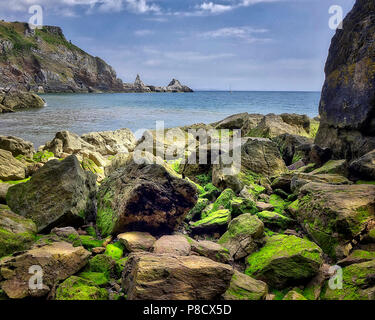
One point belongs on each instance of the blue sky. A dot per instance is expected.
(218, 44)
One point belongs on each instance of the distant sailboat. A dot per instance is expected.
(230, 89)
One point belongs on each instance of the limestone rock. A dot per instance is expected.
(175, 245)
(111, 142)
(160, 277)
(61, 193)
(17, 146)
(15, 100)
(210, 249)
(243, 287)
(137, 241)
(10, 167)
(58, 261)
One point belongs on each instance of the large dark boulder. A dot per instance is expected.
(348, 98)
(146, 196)
(61, 193)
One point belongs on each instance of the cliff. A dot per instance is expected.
(347, 106)
(45, 61)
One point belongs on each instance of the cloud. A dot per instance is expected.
(214, 7)
(66, 7)
(244, 33)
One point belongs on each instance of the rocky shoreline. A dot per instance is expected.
(271, 231)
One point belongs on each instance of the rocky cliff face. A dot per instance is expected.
(45, 61)
(347, 106)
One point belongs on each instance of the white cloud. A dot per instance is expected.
(244, 33)
(214, 7)
(66, 7)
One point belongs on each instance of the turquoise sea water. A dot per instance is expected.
(83, 113)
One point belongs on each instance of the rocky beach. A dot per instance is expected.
(109, 216)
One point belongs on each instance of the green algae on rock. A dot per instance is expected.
(274, 219)
(61, 193)
(16, 232)
(284, 260)
(214, 221)
(242, 235)
(357, 283)
(76, 288)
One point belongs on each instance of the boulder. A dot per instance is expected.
(285, 260)
(17, 100)
(243, 287)
(57, 261)
(10, 167)
(175, 245)
(158, 277)
(17, 146)
(111, 142)
(335, 215)
(288, 145)
(364, 167)
(66, 143)
(273, 125)
(236, 121)
(210, 249)
(137, 241)
(144, 197)
(333, 167)
(261, 156)
(16, 233)
(243, 236)
(301, 179)
(357, 256)
(60, 194)
(215, 221)
(358, 283)
(347, 102)
(273, 219)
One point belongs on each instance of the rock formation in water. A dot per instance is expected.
(43, 60)
(347, 106)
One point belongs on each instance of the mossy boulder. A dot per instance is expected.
(357, 256)
(357, 283)
(285, 260)
(335, 215)
(77, 288)
(195, 213)
(145, 195)
(90, 242)
(278, 203)
(99, 278)
(294, 295)
(242, 236)
(243, 287)
(333, 167)
(364, 167)
(16, 233)
(60, 194)
(215, 221)
(274, 219)
(301, 179)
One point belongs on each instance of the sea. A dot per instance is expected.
(84, 113)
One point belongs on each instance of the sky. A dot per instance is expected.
(265, 45)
